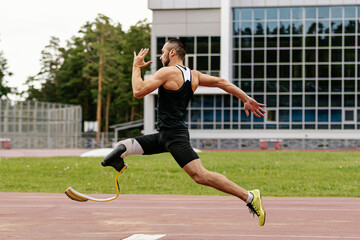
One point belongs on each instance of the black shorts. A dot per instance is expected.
(175, 141)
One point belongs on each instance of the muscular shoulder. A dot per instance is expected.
(166, 71)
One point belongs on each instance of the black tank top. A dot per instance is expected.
(172, 104)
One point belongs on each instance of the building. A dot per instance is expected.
(300, 58)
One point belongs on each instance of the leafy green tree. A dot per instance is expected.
(4, 90)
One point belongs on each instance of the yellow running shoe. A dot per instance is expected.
(256, 207)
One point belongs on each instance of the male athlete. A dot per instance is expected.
(176, 85)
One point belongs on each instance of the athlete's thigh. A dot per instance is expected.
(150, 144)
(182, 152)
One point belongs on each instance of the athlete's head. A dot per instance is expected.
(173, 48)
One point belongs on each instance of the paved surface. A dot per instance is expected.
(54, 216)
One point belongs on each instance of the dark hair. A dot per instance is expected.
(179, 46)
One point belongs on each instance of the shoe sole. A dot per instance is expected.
(263, 209)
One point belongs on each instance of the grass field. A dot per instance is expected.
(290, 174)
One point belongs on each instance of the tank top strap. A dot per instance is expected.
(185, 71)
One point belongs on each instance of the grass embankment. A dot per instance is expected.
(315, 174)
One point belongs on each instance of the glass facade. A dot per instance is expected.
(302, 62)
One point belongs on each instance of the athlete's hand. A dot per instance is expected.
(139, 59)
(255, 107)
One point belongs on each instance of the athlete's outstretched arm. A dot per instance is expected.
(249, 103)
(143, 87)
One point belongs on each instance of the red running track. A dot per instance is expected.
(54, 216)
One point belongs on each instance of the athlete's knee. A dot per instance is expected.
(132, 147)
(201, 177)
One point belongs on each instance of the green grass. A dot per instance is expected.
(315, 174)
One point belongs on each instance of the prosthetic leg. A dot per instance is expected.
(112, 159)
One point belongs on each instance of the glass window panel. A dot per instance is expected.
(196, 101)
(208, 115)
(271, 13)
(215, 44)
(271, 86)
(259, 73)
(259, 13)
(236, 56)
(202, 44)
(246, 14)
(358, 103)
(160, 41)
(189, 44)
(297, 42)
(323, 115)
(195, 115)
(208, 101)
(323, 41)
(284, 41)
(259, 42)
(297, 55)
(310, 12)
(336, 100)
(246, 28)
(323, 100)
(336, 12)
(271, 101)
(297, 27)
(226, 100)
(284, 55)
(323, 71)
(336, 86)
(284, 115)
(284, 86)
(335, 70)
(284, 101)
(349, 26)
(310, 71)
(310, 27)
(336, 55)
(349, 70)
(219, 100)
(284, 71)
(335, 115)
(259, 56)
(235, 102)
(323, 86)
(245, 71)
(272, 42)
(310, 100)
(246, 42)
(297, 115)
(350, 55)
(271, 71)
(296, 126)
(310, 41)
(271, 27)
(336, 41)
(236, 71)
(218, 116)
(310, 86)
(246, 86)
(284, 13)
(285, 27)
(271, 56)
(349, 41)
(202, 63)
(236, 42)
(270, 126)
(349, 115)
(297, 71)
(259, 28)
(215, 62)
(309, 115)
(235, 116)
(271, 115)
(236, 14)
(246, 56)
(336, 26)
(297, 13)
(236, 28)
(244, 118)
(349, 85)
(323, 55)
(323, 26)
(259, 98)
(323, 12)
(310, 55)
(349, 100)
(297, 86)
(297, 100)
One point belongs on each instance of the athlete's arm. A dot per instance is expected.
(143, 87)
(249, 103)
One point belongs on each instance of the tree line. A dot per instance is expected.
(93, 70)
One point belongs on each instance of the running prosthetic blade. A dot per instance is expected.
(114, 159)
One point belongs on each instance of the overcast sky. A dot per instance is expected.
(27, 25)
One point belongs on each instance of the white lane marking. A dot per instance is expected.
(144, 237)
(248, 236)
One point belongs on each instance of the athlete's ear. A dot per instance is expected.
(173, 52)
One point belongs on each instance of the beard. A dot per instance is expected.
(166, 63)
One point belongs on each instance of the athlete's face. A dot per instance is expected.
(165, 57)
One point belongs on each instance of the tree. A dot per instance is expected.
(4, 90)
